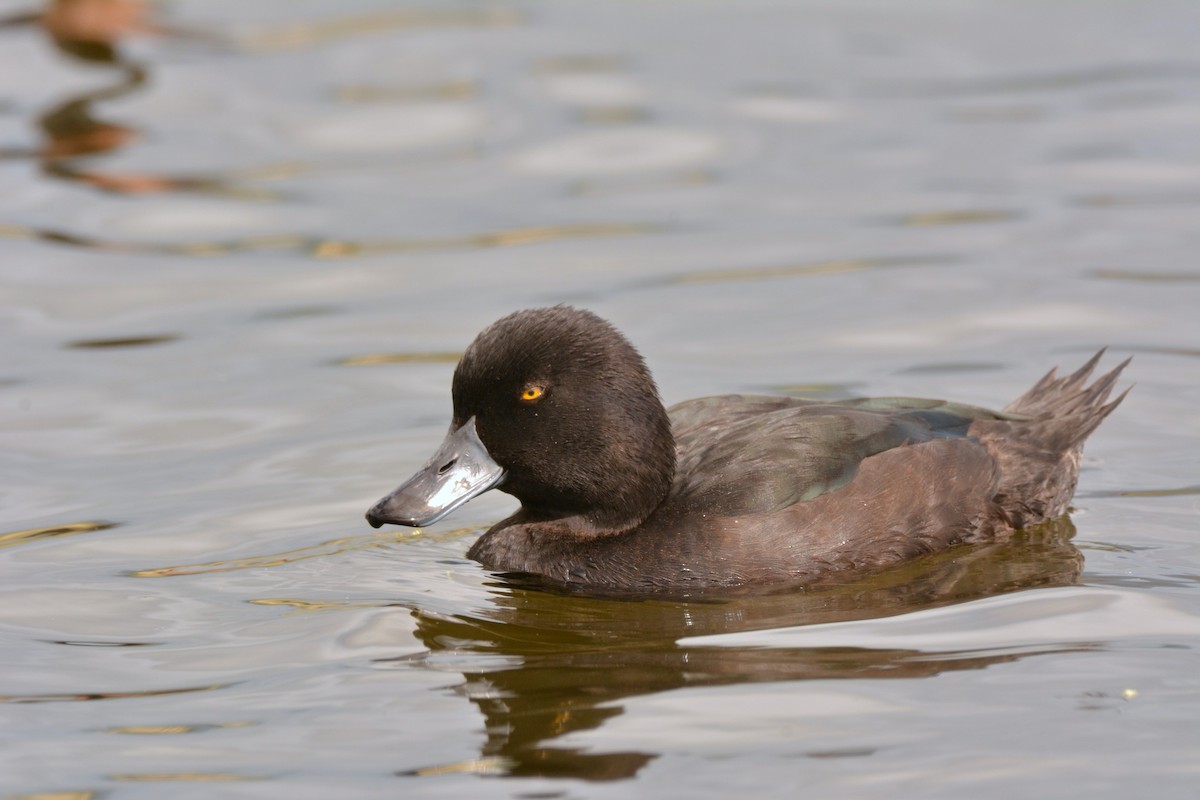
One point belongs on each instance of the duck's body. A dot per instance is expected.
(731, 493)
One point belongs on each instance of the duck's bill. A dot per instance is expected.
(461, 469)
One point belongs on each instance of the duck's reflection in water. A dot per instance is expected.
(551, 665)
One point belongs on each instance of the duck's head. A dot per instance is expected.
(555, 407)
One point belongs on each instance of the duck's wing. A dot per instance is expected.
(749, 454)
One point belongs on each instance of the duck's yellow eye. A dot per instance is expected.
(532, 393)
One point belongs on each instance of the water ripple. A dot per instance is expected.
(620, 150)
(36, 534)
(332, 547)
(978, 216)
(374, 359)
(1148, 277)
(301, 605)
(1183, 198)
(189, 777)
(1162, 350)
(75, 697)
(493, 765)
(363, 93)
(1181, 491)
(1101, 75)
(320, 247)
(174, 730)
(833, 267)
(309, 33)
(126, 341)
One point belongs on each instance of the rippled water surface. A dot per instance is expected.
(243, 244)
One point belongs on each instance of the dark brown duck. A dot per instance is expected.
(732, 493)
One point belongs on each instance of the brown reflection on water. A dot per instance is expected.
(174, 730)
(973, 216)
(300, 605)
(37, 534)
(581, 63)
(949, 367)
(1102, 75)
(188, 777)
(126, 341)
(613, 115)
(815, 390)
(579, 657)
(336, 248)
(1148, 277)
(313, 32)
(333, 248)
(833, 267)
(625, 184)
(375, 359)
(358, 94)
(98, 643)
(76, 697)
(1177, 492)
(91, 31)
(1183, 198)
(332, 547)
(1162, 350)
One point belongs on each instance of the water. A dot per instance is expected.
(244, 243)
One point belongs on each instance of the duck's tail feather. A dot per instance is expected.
(1067, 408)
(1039, 455)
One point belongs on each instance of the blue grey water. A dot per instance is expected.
(243, 243)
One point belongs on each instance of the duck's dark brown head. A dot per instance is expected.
(565, 410)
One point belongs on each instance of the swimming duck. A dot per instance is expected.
(727, 494)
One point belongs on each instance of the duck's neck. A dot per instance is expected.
(635, 478)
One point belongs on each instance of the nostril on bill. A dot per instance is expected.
(442, 469)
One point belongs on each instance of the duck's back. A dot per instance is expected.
(748, 454)
(771, 488)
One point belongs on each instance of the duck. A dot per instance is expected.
(731, 494)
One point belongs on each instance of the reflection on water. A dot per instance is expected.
(616, 185)
(374, 359)
(1153, 277)
(1183, 490)
(1186, 352)
(332, 547)
(977, 216)
(91, 28)
(320, 247)
(187, 777)
(836, 267)
(561, 664)
(306, 34)
(1159, 199)
(1108, 74)
(89, 696)
(37, 534)
(172, 730)
(368, 93)
(125, 341)
(91, 31)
